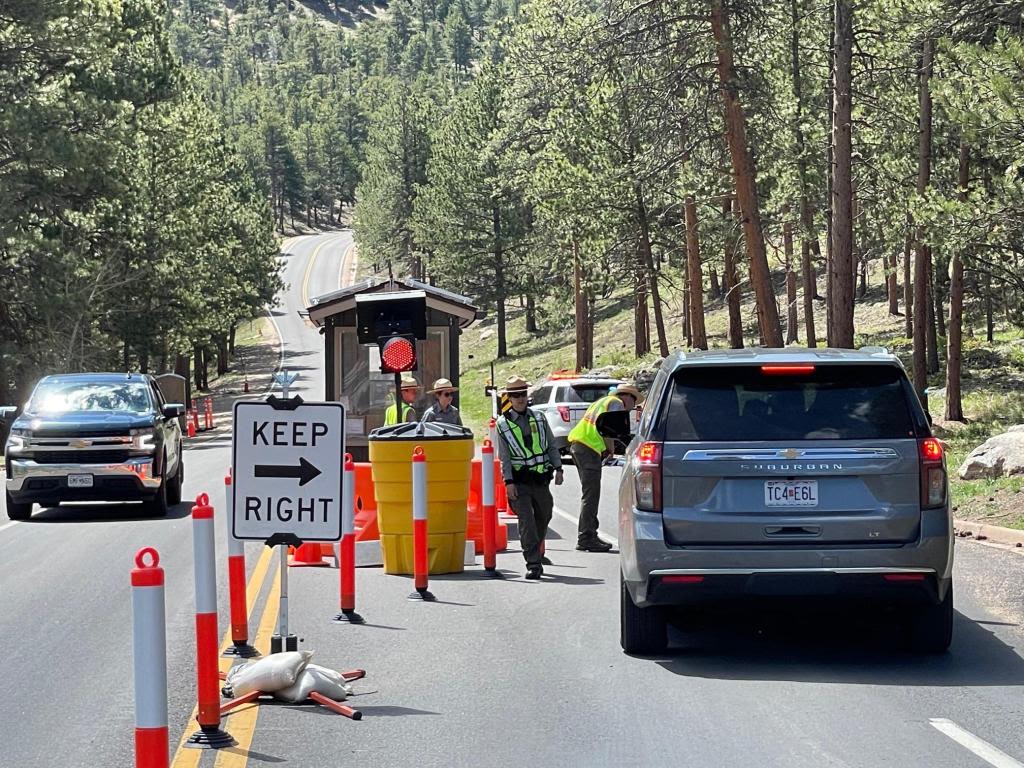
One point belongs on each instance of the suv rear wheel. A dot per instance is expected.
(931, 629)
(16, 510)
(641, 630)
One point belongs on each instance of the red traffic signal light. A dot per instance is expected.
(397, 354)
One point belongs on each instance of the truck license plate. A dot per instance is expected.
(79, 481)
(791, 493)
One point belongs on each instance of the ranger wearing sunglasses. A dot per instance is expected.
(529, 458)
(442, 411)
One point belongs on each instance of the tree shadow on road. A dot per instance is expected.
(833, 647)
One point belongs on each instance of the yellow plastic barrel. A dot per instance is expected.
(449, 450)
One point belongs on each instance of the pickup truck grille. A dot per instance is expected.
(80, 457)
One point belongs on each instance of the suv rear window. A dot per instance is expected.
(834, 402)
(587, 393)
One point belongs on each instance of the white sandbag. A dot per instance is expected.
(269, 674)
(315, 678)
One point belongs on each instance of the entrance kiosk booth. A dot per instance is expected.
(353, 369)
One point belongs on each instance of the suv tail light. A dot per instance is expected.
(563, 412)
(933, 474)
(647, 477)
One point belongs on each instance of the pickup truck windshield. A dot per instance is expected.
(64, 396)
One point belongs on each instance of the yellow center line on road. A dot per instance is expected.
(342, 282)
(189, 758)
(242, 722)
(309, 270)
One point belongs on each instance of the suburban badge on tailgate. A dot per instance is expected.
(819, 467)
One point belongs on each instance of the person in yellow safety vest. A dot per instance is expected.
(410, 387)
(589, 450)
(529, 458)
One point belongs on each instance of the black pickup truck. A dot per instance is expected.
(95, 437)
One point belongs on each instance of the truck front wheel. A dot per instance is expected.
(17, 510)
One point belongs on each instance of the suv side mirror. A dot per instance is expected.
(173, 410)
(615, 424)
(7, 411)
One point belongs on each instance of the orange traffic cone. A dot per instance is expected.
(309, 554)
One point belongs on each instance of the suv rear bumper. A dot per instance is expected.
(28, 481)
(922, 569)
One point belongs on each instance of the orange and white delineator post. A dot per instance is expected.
(490, 515)
(347, 548)
(209, 735)
(149, 660)
(236, 582)
(420, 562)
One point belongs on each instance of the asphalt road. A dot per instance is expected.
(65, 607)
(498, 671)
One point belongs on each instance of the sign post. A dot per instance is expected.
(287, 475)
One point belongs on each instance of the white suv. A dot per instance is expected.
(563, 401)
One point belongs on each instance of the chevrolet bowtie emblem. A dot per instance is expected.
(791, 453)
(81, 443)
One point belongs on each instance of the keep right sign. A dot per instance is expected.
(287, 470)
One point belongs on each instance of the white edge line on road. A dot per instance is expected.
(576, 521)
(5, 526)
(980, 747)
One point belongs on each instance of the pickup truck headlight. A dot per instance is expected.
(17, 441)
(143, 440)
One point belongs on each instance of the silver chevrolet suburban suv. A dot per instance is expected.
(784, 472)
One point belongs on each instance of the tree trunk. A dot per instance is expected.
(841, 284)
(531, 314)
(940, 271)
(806, 220)
(745, 177)
(932, 337)
(499, 282)
(231, 339)
(808, 275)
(197, 359)
(652, 276)
(922, 257)
(990, 325)
(792, 330)
(716, 287)
(954, 339)
(696, 274)
(830, 94)
(892, 286)
(908, 284)
(687, 325)
(732, 283)
(584, 336)
(222, 355)
(641, 320)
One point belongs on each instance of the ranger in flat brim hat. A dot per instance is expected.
(442, 385)
(628, 389)
(408, 382)
(516, 384)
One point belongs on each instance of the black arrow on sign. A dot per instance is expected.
(304, 472)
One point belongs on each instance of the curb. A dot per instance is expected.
(984, 532)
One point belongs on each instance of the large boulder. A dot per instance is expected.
(999, 456)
